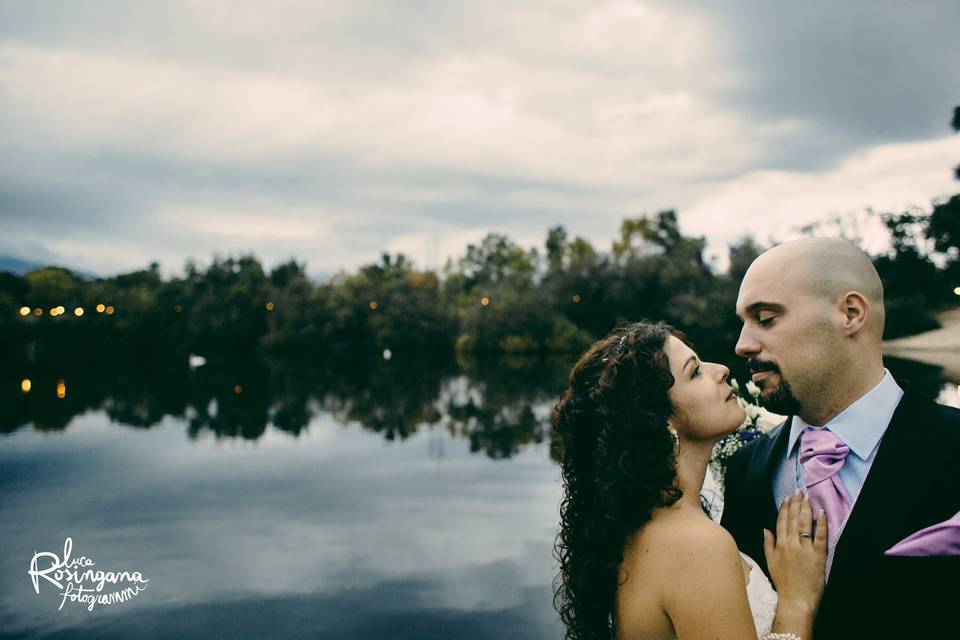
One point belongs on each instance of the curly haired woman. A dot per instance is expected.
(639, 557)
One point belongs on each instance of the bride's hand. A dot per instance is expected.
(796, 558)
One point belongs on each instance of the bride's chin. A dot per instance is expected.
(733, 429)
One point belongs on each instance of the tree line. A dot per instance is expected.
(498, 297)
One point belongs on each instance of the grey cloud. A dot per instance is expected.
(853, 73)
(850, 75)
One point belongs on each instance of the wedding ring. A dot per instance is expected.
(806, 535)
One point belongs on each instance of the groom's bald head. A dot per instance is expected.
(826, 268)
(813, 319)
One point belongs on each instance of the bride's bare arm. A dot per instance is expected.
(704, 592)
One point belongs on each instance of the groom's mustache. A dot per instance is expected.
(757, 366)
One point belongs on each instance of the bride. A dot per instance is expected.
(639, 557)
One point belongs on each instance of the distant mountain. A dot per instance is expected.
(17, 266)
(21, 267)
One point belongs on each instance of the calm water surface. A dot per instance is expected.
(397, 502)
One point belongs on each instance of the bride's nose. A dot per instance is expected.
(724, 372)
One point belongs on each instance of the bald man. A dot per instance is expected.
(881, 459)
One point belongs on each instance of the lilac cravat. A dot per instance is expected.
(822, 454)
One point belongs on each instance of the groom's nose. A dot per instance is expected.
(746, 344)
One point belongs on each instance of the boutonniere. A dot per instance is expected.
(752, 428)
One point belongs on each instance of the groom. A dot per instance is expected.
(881, 460)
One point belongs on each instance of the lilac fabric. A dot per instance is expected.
(942, 539)
(822, 454)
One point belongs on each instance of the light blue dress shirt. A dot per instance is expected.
(861, 427)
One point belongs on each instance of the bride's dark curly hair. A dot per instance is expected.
(618, 464)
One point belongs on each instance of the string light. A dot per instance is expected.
(238, 389)
(484, 300)
(24, 311)
(38, 312)
(576, 298)
(26, 385)
(78, 311)
(373, 305)
(109, 311)
(100, 308)
(61, 389)
(269, 306)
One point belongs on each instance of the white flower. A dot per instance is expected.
(734, 385)
(753, 389)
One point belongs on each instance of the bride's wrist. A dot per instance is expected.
(802, 606)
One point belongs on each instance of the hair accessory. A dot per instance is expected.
(619, 348)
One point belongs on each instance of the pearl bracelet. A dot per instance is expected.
(781, 636)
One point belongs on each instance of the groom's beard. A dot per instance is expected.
(780, 399)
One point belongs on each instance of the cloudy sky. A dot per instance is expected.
(332, 131)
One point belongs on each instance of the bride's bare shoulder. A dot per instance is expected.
(668, 566)
(679, 538)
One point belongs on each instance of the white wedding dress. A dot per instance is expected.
(762, 598)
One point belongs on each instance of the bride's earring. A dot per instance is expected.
(676, 437)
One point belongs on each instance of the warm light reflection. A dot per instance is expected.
(61, 389)
(576, 298)
(60, 310)
(269, 306)
(78, 311)
(24, 311)
(373, 305)
(956, 290)
(484, 300)
(238, 389)
(100, 308)
(26, 385)
(54, 312)
(38, 312)
(109, 311)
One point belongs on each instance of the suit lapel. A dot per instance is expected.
(763, 464)
(911, 457)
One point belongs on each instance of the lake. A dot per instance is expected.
(288, 498)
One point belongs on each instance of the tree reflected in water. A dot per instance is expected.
(499, 405)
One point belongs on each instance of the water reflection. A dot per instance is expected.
(499, 406)
(401, 498)
(328, 534)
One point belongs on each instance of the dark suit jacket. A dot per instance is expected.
(914, 482)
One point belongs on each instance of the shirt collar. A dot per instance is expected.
(860, 425)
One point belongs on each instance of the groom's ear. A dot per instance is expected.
(855, 310)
